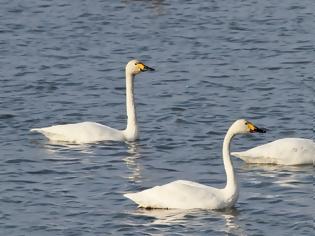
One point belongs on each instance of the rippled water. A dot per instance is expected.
(216, 61)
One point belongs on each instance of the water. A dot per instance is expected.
(217, 61)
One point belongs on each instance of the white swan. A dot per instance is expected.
(88, 132)
(286, 151)
(182, 194)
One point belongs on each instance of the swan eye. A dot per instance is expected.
(246, 123)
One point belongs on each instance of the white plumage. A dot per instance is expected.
(183, 194)
(83, 132)
(180, 194)
(286, 151)
(88, 132)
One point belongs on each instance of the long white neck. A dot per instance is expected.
(231, 180)
(131, 132)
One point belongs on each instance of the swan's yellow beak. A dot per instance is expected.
(254, 129)
(142, 67)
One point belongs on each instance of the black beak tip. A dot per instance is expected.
(261, 130)
(146, 68)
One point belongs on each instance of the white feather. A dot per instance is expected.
(286, 151)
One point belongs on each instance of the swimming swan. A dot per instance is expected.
(286, 151)
(183, 194)
(87, 132)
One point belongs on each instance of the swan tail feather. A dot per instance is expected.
(130, 196)
(135, 198)
(237, 154)
(36, 130)
(244, 156)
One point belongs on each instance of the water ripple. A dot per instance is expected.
(215, 62)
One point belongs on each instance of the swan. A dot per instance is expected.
(286, 151)
(88, 132)
(183, 194)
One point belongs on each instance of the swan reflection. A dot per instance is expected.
(57, 147)
(284, 176)
(131, 161)
(184, 217)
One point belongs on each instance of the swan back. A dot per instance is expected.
(286, 151)
(180, 194)
(84, 132)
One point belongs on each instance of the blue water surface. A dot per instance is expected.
(215, 61)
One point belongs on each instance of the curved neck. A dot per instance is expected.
(231, 179)
(131, 131)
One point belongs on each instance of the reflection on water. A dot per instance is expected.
(57, 146)
(284, 176)
(217, 61)
(274, 168)
(132, 163)
(162, 216)
(231, 217)
(180, 217)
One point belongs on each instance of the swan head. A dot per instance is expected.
(243, 126)
(134, 67)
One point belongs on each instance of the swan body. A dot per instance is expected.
(183, 194)
(88, 132)
(286, 151)
(83, 132)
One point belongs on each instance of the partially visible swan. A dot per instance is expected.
(183, 194)
(286, 151)
(88, 132)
